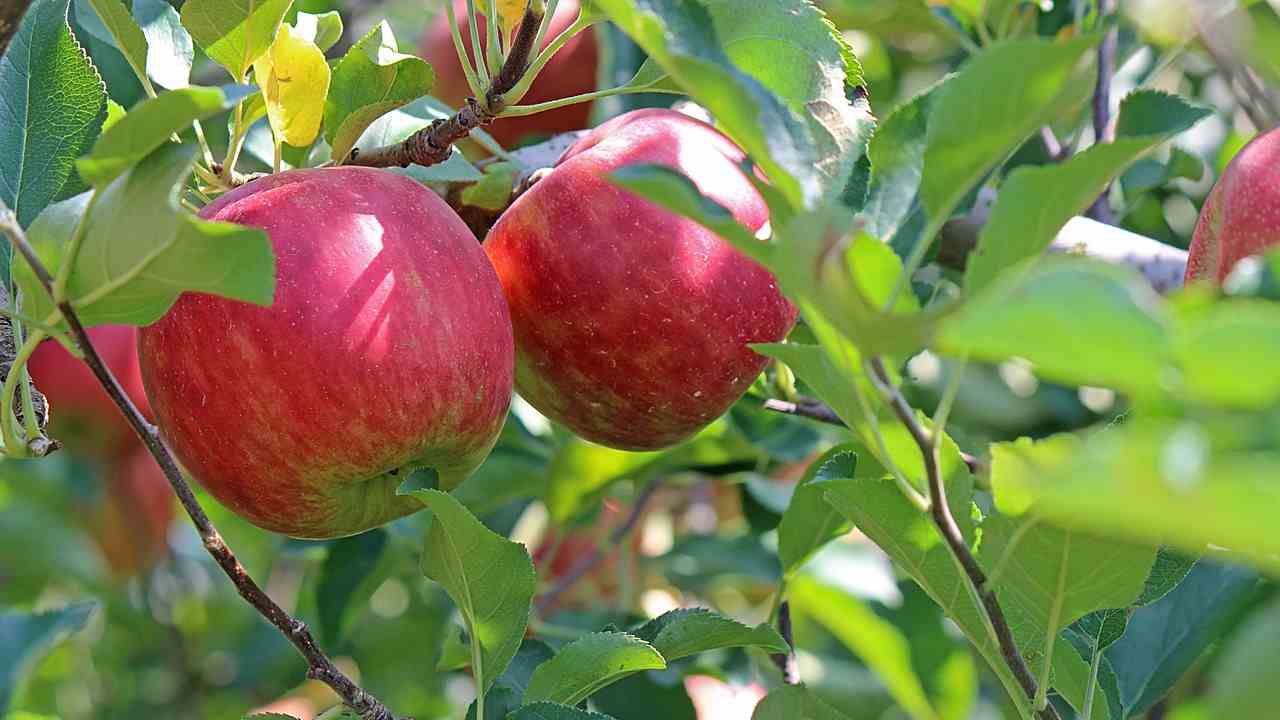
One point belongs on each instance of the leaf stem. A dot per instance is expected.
(519, 110)
(237, 141)
(481, 65)
(13, 443)
(492, 37)
(464, 57)
(1092, 685)
(545, 54)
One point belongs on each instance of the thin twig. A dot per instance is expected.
(320, 667)
(946, 523)
(433, 144)
(787, 663)
(815, 409)
(1103, 128)
(586, 564)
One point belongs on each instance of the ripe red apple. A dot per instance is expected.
(388, 348)
(82, 415)
(131, 524)
(572, 71)
(632, 323)
(1241, 217)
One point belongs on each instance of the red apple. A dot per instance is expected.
(1241, 217)
(388, 348)
(572, 71)
(632, 324)
(132, 523)
(82, 415)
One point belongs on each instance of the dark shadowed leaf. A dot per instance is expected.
(343, 587)
(26, 637)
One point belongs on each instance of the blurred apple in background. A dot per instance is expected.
(572, 71)
(133, 514)
(81, 414)
(717, 700)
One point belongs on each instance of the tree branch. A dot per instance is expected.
(319, 666)
(586, 564)
(954, 538)
(432, 144)
(1103, 129)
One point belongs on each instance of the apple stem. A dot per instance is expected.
(940, 512)
(599, 553)
(320, 666)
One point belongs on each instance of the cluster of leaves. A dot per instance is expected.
(1094, 543)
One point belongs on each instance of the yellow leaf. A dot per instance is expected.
(509, 11)
(294, 78)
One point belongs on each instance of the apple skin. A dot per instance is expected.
(132, 523)
(572, 71)
(82, 415)
(632, 324)
(1241, 217)
(388, 348)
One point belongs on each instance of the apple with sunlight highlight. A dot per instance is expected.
(1241, 217)
(571, 71)
(632, 324)
(388, 349)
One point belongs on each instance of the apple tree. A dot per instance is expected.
(622, 359)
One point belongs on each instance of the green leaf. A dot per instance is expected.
(794, 702)
(809, 521)
(146, 127)
(588, 664)
(489, 578)
(323, 30)
(1244, 681)
(1115, 335)
(843, 278)
(1220, 350)
(128, 37)
(493, 191)
(680, 633)
(234, 33)
(269, 716)
(508, 690)
(878, 508)
(875, 641)
(54, 105)
(581, 470)
(664, 696)
(1022, 224)
(344, 581)
(1149, 481)
(796, 53)
(680, 37)
(1026, 84)
(372, 79)
(26, 637)
(1165, 639)
(169, 47)
(893, 210)
(553, 711)
(1170, 568)
(123, 276)
(677, 193)
(1047, 578)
